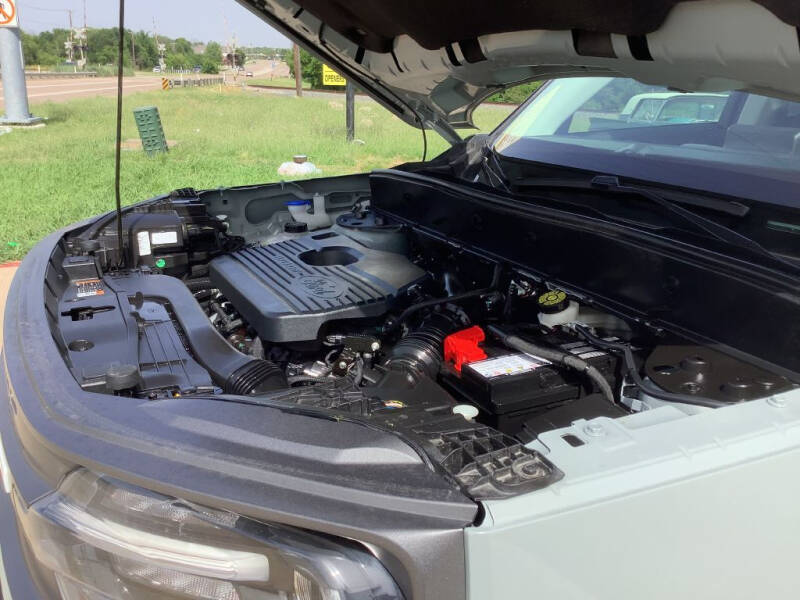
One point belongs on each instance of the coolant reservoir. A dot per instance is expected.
(317, 219)
(555, 308)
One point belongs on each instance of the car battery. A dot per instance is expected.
(512, 386)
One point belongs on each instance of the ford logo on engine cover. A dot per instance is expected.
(321, 287)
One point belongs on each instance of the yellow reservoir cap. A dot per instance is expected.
(553, 301)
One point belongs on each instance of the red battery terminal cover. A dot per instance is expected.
(461, 347)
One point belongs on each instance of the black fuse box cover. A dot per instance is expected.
(157, 235)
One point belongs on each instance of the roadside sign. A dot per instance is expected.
(8, 13)
(329, 76)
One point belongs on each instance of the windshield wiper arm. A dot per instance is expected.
(493, 171)
(712, 228)
(728, 207)
(705, 226)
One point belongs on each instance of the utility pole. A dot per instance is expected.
(81, 36)
(15, 92)
(69, 45)
(350, 110)
(298, 76)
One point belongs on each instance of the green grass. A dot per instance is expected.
(64, 172)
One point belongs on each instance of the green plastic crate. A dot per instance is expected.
(150, 130)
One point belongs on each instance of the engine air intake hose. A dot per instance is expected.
(255, 377)
(422, 350)
(234, 372)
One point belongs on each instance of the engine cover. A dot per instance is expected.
(289, 289)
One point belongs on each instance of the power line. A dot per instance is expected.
(43, 23)
(47, 9)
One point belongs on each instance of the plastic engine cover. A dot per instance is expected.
(289, 289)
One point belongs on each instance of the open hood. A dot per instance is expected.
(434, 62)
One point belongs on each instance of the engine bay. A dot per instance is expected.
(330, 304)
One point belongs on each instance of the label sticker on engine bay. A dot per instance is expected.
(509, 364)
(143, 241)
(89, 287)
(583, 350)
(162, 238)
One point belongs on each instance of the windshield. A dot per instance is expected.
(729, 142)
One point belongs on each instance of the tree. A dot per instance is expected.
(209, 66)
(146, 51)
(180, 61)
(213, 53)
(103, 45)
(310, 68)
(516, 94)
(183, 46)
(46, 49)
(285, 54)
(30, 49)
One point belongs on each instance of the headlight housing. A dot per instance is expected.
(97, 537)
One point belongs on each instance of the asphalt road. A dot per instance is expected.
(61, 90)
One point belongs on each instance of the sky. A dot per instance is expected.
(196, 20)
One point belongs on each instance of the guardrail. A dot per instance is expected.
(177, 71)
(171, 82)
(58, 75)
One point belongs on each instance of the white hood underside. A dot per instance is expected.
(703, 45)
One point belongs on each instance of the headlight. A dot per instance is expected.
(101, 538)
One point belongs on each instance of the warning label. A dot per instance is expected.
(163, 238)
(583, 350)
(510, 364)
(89, 287)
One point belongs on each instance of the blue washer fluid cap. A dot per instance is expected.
(297, 202)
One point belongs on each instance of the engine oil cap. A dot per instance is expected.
(553, 301)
